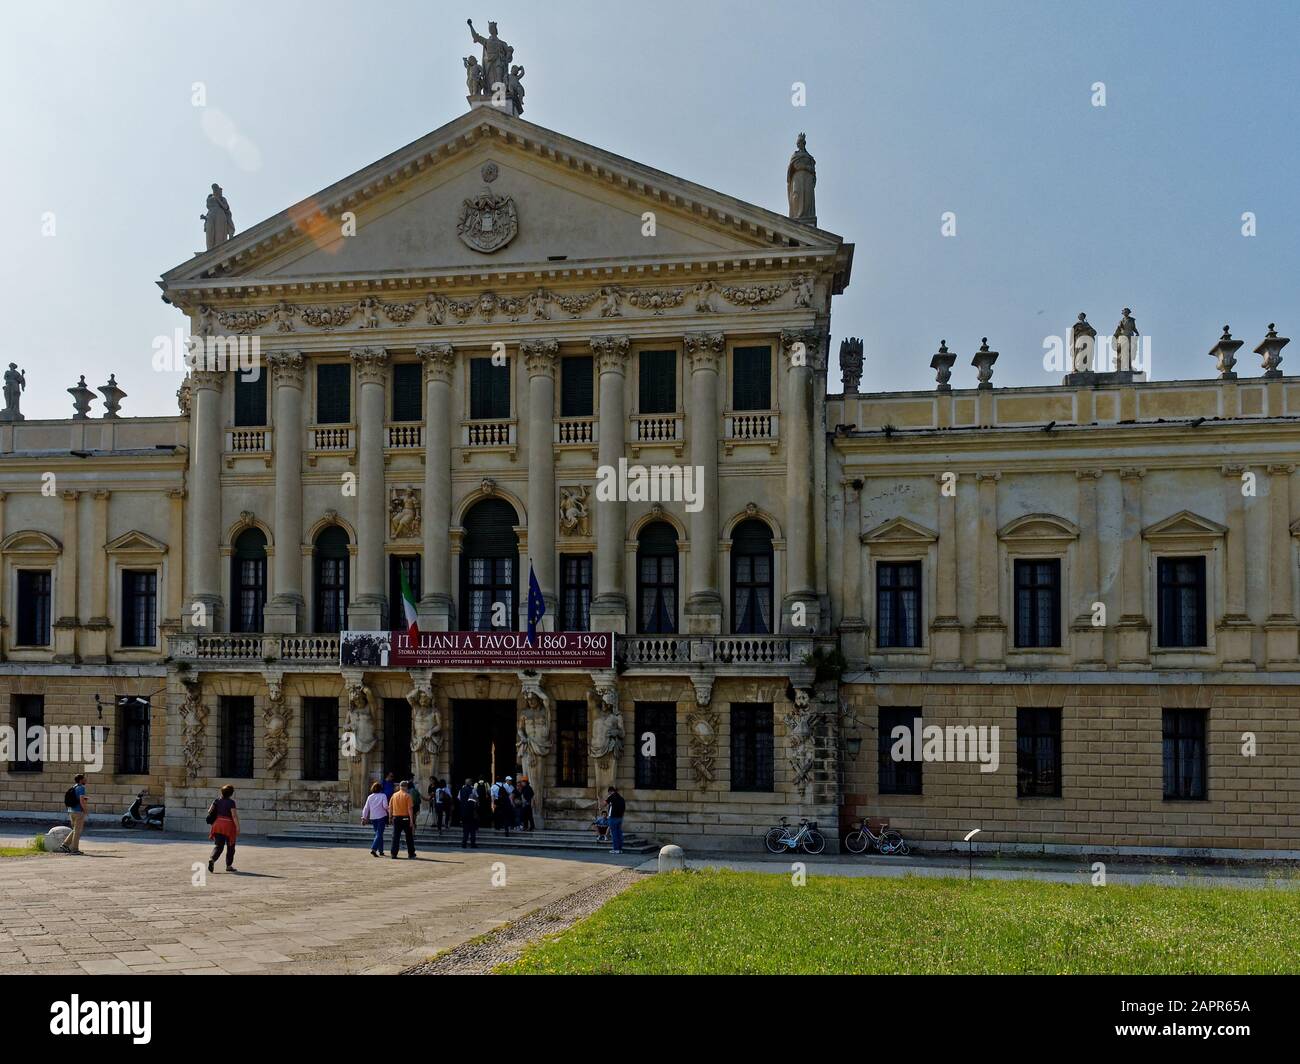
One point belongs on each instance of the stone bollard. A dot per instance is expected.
(672, 859)
(56, 837)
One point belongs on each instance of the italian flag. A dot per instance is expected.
(408, 605)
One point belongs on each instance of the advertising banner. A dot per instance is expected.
(476, 650)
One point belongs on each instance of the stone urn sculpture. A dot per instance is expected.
(113, 396)
(82, 397)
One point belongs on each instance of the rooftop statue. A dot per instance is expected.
(801, 183)
(218, 222)
(15, 382)
(496, 57)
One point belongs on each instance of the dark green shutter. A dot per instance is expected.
(658, 382)
(489, 390)
(250, 400)
(751, 378)
(576, 378)
(333, 393)
(407, 392)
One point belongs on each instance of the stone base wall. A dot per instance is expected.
(70, 701)
(1111, 767)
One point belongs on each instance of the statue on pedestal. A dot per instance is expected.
(15, 382)
(801, 183)
(218, 222)
(496, 57)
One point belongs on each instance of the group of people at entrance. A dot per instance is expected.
(504, 805)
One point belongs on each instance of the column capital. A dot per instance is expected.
(540, 356)
(206, 380)
(1282, 470)
(371, 364)
(981, 478)
(1132, 474)
(703, 349)
(287, 368)
(1232, 470)
(439, 361)
(1087, 474)
(612, 353)
(804, 348)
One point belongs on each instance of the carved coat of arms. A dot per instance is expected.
(488, 222)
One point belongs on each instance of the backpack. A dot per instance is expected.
(71, 800)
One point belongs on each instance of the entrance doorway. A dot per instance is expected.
(397, 738)
(482, 741)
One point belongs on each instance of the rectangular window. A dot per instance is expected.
(898, 604)
(133, 736)
(902, 774)
(250, 399)
(237, 737)
(139, 607)
(571, 744)
(656, 721)
(1184, 754)
(658, 380)
(751, 747)
(333, 393)
(1038, 602)
(751, 378)
(1038, 753)
(27, 712)
(489, 390)
(1181, 605)
(575, 592)
(577, 381)
(320, 738)
(408, 392)
(33, 628)
(398, 564)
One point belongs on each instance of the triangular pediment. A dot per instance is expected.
(575, 206)
(900, 530)
(135, 542)
(1184, 523)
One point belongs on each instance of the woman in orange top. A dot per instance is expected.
(224, 818)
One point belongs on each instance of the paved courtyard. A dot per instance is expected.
(130, 905)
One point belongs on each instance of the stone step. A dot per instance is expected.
(488, 839)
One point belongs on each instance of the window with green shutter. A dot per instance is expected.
(333, 393)
(751, 378)
(576, 377)
(407, 392)
(489, 390)
(250, 400)
(658, 392)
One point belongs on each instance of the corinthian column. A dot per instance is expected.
(435, 612)
(609, 607)
(539, 359)
(368, 606)
(704, 600)
(799, 608)
(1280, 630)
(285, 612)
(205, 513)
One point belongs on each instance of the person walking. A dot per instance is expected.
(468, 816)
(375, 814)
(527, 794)
(224, 818)
(75, 801)
(616, 807)
(402, 809)
(390, 786)
(441, 803)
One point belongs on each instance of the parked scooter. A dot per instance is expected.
(150, 816)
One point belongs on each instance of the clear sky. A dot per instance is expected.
(913, 109)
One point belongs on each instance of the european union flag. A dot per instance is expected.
(536, 605)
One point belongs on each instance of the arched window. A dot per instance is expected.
(331, 579)
(489, 566)
(656, 578)
(751, 578)
(248, 581)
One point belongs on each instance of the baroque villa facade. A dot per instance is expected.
(455, 348)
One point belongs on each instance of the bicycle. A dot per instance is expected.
(889, 842)
(784, 839)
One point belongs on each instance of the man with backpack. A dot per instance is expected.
(75, 801)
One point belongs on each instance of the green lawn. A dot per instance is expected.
(750, 922)
(37, 845)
